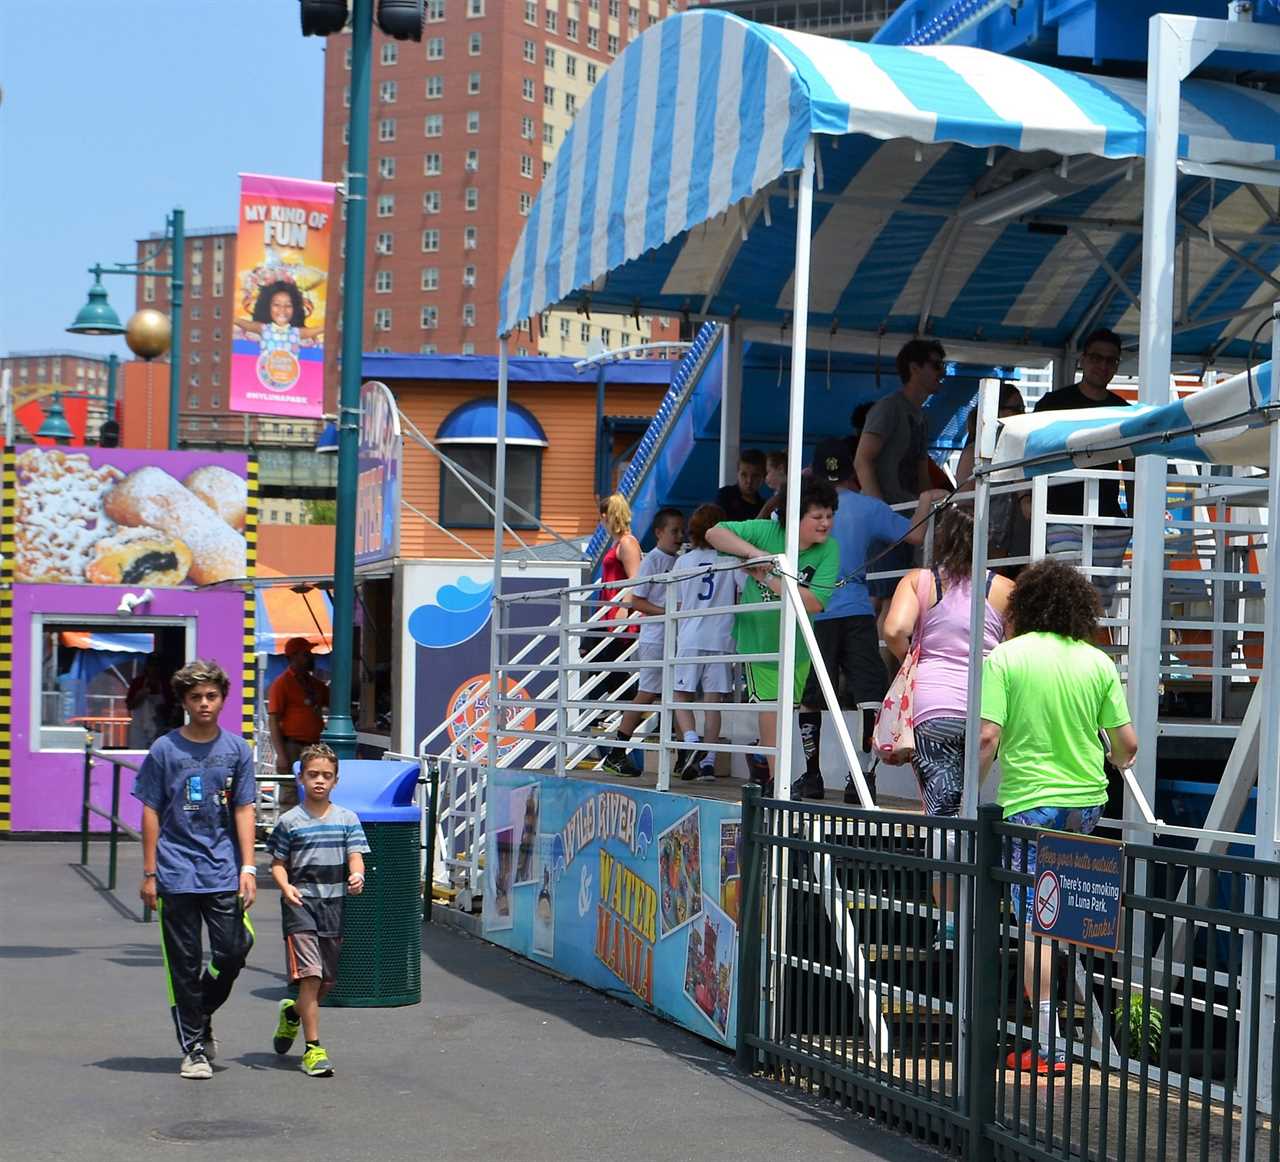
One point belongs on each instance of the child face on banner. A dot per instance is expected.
(281, 309)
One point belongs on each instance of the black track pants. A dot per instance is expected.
(195, 995)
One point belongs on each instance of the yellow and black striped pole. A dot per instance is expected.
(249, 675)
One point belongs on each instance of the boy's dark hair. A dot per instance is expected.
(196, 673)
(814, 493)
(858, 417)
(752, 456)
(775, 460)
(1101, 335)
(317, 750)
(917, 351)
(664, 516)
(262, 308)
(705, 516)
(1053, 597)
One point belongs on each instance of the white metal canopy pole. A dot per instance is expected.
(795, 455)
(499, 525)
(730, 402)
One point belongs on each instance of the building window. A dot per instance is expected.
(430, 278)
(434, 125)
(192, 336)
(430, 318)
(611, 44)
(435, 11)
(346, 134)
(546, 169)
(593, 37)
(431, 164)
(473, 121)
(468, 315)
(473, 84)
(471, 198)
(431, 202)
(194, 357)
(387, 129)
(530, 53)
(615, 9)
(387, 91)
(549, 56)
(475, 8)
(435, 48)
(215, 401)
(346, 96)
(382, 282)
(548, 133)
(386, 205)
(606, 336)
(346, 59)
(552, 19)
(570, 104)
(468, 348)
(564, 328)
(584, 332)
(386, 167)
(526, 131)
(435, 87)
(527, 88)
(549, 96)
(468, 276)
(526, 203)
(633, 17)
(472, 164)
(427, 349)
(571, 28)
(383, 244)
(470, 238)
(430, 241)
(459, 507)
(193, 399)
(570, 64)
(531, 11)
(382, 319)
(473, 44)
(390, 52)
(526, 166)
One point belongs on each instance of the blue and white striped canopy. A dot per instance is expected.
(1221, 424)
(673, 192)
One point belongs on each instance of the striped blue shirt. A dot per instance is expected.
(315, 853)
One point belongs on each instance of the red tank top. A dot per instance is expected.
(612, 569)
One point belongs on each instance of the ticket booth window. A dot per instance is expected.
(468, 437)
(109, 680)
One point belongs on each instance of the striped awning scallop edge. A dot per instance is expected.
(704, 112)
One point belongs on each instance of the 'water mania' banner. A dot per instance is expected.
(632, 892)
(282, 275)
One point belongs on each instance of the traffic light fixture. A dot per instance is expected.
(400, 19)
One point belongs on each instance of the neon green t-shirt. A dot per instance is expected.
(1050, 696)
(757, 633)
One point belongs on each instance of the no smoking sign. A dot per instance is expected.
(1048, 900)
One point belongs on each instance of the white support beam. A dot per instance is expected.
(730, 403)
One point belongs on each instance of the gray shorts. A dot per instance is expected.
(310, 954)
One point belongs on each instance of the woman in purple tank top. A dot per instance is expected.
(942, 677)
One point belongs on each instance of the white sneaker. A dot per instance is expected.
(195, 1065)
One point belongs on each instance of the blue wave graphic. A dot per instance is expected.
(460, 611)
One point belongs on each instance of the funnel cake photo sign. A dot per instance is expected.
(116, 516)
(281, 285)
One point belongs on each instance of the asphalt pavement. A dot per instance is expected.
(500, 1060)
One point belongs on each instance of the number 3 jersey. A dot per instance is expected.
(705, 588)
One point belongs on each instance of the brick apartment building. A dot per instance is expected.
(37, 374)
(463, 127)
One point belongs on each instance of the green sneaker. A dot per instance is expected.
(316, 1063)
(286, 1029)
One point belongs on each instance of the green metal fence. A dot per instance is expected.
(882, 963)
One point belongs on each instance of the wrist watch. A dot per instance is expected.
(249, 868)
(146, 875)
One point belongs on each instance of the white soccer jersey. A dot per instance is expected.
(706, 590)
(655, 562)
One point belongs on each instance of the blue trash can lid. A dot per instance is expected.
(378, 791)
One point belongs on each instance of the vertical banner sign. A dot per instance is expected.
(281, 289)
(378, 487)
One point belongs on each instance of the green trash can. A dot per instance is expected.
(381, 961)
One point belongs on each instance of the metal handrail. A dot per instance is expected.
(88, 807)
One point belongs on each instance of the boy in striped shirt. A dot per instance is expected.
(317, 857)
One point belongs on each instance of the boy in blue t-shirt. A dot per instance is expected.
(197, 792)
(317, 857)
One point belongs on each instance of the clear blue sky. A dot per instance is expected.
(115, 111)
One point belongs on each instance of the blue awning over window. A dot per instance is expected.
(476, 422)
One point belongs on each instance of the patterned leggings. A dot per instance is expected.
(939, 764)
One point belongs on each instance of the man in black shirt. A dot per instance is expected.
(742, 500)
(1099, 362)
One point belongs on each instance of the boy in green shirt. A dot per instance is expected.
(1046, 694)
(758, 633)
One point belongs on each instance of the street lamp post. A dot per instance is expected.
(97, 317)
(340, 732)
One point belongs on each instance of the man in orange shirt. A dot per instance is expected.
(295, 704)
